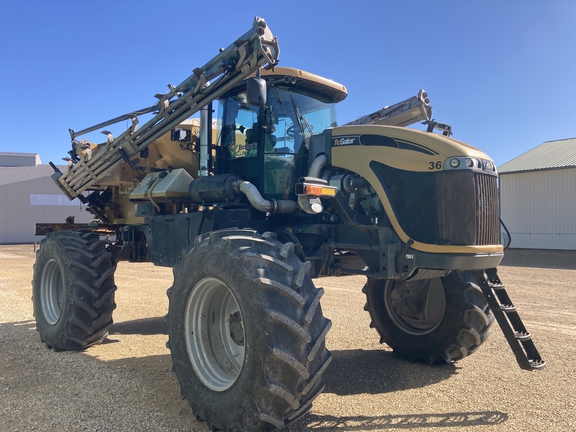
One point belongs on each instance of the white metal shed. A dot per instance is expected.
(28, 195)
(538, 196)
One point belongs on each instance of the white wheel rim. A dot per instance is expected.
(51, 292)
(215, 336)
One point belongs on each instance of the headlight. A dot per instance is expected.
(471, 163)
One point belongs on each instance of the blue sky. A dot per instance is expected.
(501, 73)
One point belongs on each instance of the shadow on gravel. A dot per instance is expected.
(537, 258)
(408, 421)
(24, 372)
(145, 326)
(379, 371)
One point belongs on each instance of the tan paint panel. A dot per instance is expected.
(337, 91)
(357, 158)
(445, 146)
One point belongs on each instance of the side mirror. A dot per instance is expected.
(256, 91)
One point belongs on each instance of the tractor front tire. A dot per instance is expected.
(246, 331)
(73, 290)
(433, 320)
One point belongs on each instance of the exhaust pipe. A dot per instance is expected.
(261, 204)
(317, 165)
(226, 187)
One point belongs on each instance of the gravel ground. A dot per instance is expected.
(125, 383)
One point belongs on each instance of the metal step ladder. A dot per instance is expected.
(504, 310)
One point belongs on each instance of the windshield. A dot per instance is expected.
(295, 116)
(291, 118)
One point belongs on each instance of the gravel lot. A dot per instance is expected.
(125, 383)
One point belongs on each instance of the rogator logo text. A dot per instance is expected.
(346, 141)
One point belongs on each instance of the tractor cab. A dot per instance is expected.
(264, 127)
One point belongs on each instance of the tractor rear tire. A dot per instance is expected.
(434, 320)
(246, 331)
(73, 290)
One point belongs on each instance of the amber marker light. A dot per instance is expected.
(318, 190)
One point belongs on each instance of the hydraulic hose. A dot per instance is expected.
(507, 232)
(149, 193)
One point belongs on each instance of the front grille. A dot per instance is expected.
(487, 222)
(467, 208)
(458, 207)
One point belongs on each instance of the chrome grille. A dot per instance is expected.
(487, 221)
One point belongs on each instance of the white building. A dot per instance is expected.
(28, 195)
(538, 196)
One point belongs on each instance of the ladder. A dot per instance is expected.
(518, 337)
(242, 58)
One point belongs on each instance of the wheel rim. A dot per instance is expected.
(51, 292)
(215, 336)
(416, 307)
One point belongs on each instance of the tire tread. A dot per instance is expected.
(292, 364)
(87, 270)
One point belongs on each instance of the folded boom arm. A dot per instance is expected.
(251, 51)
(412, 110)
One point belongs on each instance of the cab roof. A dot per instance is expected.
(330, 90)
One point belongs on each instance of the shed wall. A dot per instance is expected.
(19, 159)
(539, 208)
(18, 215)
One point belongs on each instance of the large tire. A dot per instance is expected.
(246, 331)
(434, 320)
(73, 290)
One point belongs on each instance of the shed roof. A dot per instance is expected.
(10, 175)
(12, 159)
(550, 155)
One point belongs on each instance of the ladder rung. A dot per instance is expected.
(523, 336)
(537, 364)
(508, 308)
(497, 286)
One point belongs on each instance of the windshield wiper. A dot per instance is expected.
(301, 119)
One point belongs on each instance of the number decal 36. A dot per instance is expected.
(434, 165)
